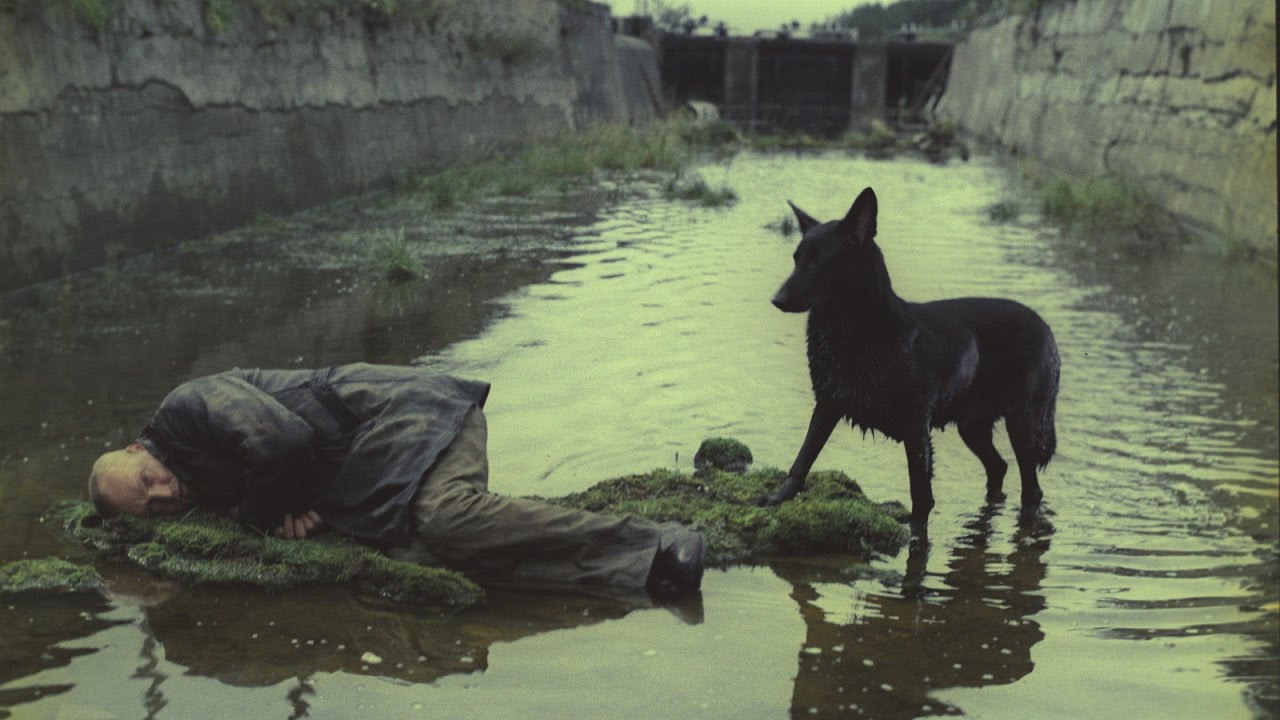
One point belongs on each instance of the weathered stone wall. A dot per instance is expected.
(1178, 96)
(159, 128)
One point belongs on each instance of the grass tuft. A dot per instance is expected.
(1097, 203)
(389, 252)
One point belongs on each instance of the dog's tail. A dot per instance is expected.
(1043, 405)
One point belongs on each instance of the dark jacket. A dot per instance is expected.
(351, 442)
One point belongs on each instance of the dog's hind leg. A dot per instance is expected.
(1022, 437)
(977, 436)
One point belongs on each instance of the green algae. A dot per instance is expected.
(204, 548)
(47, 575)
(830, 515)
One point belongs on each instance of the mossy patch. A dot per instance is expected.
(722, 454)
(207, 548)
(47, 575)
(830, 515)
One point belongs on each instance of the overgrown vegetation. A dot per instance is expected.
(390, 254)
(206, 548)
(1098, 203)
(47, 575)
(574, 156)
(879, 21)
(830, 515)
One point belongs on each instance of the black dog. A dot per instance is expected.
(903, 368)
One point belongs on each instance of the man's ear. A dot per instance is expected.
(860, 223)
(134, 448)
(805, 219)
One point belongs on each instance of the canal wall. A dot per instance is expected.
(1176, 96)
(170, 119)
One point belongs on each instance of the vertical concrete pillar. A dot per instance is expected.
(741, 80)
(870, 72)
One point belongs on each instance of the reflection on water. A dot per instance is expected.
(615, 342)
(967, 624)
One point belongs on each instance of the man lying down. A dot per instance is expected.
(392, 456)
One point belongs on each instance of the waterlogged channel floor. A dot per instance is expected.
(617, 334)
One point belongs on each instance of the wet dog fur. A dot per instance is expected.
(902, 368)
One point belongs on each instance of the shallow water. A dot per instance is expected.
(615, 341)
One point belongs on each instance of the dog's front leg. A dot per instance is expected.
(920, 471)
(825, 417)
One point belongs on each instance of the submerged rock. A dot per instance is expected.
(207, 548)
(48, 575)
(830, 515)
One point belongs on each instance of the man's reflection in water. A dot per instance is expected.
(967, 627)
(237, 639)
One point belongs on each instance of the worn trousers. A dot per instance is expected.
(519, 542)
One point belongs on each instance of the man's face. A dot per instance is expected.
(134, 482)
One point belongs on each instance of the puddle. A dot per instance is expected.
(618, 331)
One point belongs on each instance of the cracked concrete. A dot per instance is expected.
(159, 130)
(1177, 96)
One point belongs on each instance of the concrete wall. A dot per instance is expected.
(159, 129)
(1178, 96)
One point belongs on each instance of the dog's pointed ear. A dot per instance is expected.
(805, 219)
(860, 223)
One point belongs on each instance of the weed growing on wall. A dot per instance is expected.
(1097, 203)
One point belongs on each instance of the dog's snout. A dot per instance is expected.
(787, 302)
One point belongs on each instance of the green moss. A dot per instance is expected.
(205, 548)
(47, 575)
(830, 515)
(724, 454)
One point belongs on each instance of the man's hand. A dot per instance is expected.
(298, 526)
